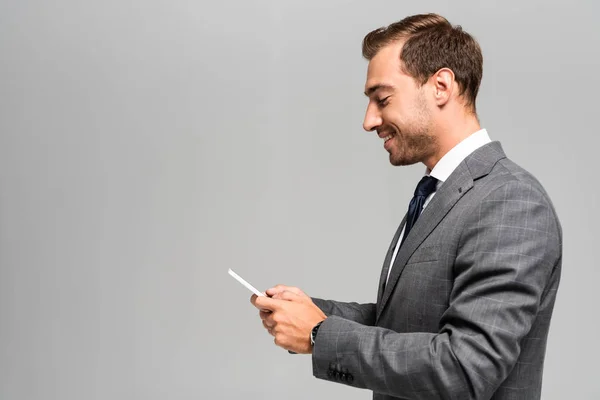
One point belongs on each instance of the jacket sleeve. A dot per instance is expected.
(509, 247)
(360, 313)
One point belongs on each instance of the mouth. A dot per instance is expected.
(386, 136)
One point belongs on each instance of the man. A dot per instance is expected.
(469, 282)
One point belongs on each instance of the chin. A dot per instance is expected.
(400, 161)
(397, 163)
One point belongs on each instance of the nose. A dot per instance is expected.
(372, 118)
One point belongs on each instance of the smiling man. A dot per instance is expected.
(469, 281)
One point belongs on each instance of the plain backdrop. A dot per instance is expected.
(148, 146)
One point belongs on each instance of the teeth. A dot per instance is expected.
(385, 139)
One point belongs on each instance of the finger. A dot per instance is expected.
(275, 289)
(264, 314)
(253, 301)
(264, 303)
(266, 325)
(280, 341)
(288, 295)
(269, 329)
(268, 322)
(280, 288)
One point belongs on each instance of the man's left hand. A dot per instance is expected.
(289, 315)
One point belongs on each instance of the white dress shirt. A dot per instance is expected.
(442, 170)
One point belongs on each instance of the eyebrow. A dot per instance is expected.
(375, 88)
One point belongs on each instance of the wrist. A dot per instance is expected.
(315, 331)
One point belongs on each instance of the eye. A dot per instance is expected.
(383, 102)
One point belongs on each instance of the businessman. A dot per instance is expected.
(469, 282)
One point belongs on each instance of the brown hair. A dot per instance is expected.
(432, 43)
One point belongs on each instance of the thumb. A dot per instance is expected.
(281, 288)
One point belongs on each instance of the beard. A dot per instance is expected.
(411, 148)
(414, 142)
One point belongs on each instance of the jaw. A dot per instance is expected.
(403, 152)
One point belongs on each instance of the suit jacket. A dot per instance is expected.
(467, 308)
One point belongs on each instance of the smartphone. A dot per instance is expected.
(243, 282)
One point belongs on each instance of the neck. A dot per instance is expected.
(451, 133)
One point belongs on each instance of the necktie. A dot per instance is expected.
(426, 186)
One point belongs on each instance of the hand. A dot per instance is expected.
(289, 315)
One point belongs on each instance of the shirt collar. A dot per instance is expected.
(448, 163)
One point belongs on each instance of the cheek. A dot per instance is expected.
(394, 116)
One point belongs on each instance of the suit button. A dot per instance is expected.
(331, 370)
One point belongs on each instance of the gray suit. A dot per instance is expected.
(467, 308)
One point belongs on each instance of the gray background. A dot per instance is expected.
(147, 146)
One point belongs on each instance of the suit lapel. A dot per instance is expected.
(478, 164)
(388, 259)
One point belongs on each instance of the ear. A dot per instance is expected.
(443, 85)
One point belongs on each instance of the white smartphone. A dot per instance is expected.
(243, 282)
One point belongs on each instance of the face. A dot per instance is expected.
(398, 109)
